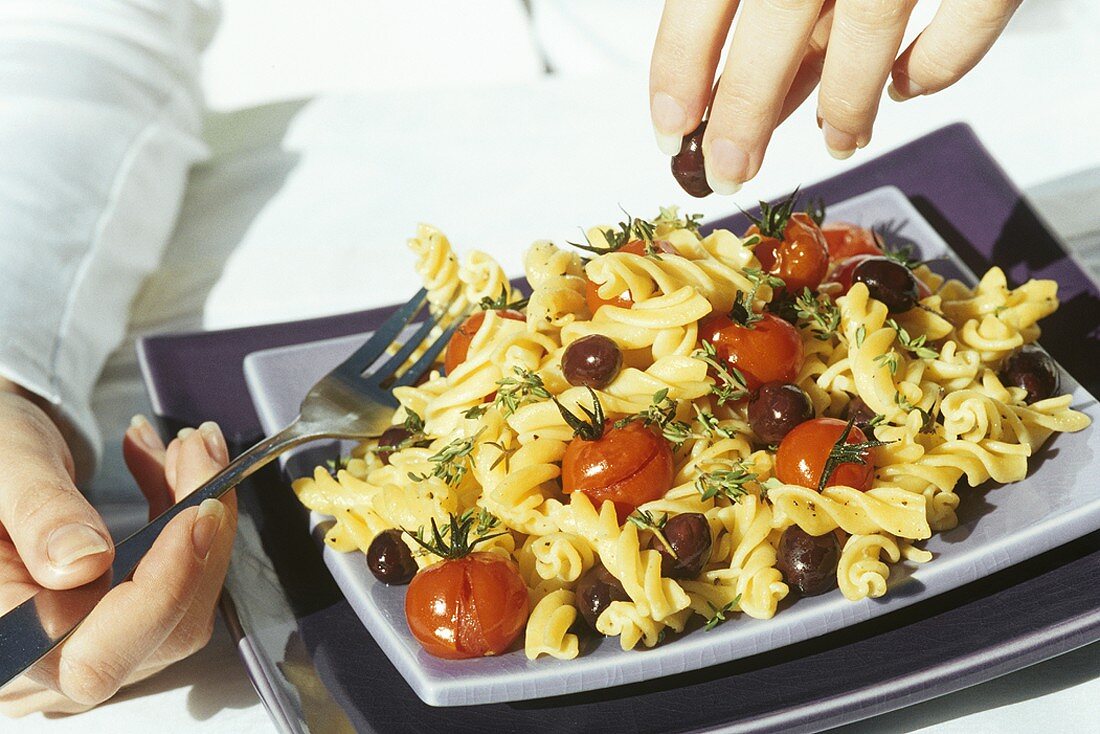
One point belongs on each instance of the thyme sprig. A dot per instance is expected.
(889, 360)
(453, 540)
(915, 345)
(719, 615)
(773, 218)
(729, 384)
(729, 483)
(589, 428)
(660, 411)
(414, 425)
(742, 310)
(927, 419)
(513, 392)
(451, 462)
(819, 313)
(670, 217)
(645, 521)
(501, 303)
(677, 433)
(843, 452)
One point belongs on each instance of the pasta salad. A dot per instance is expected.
(676, 429)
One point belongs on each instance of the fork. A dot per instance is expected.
(345, 404)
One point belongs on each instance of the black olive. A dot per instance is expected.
(861, 412)
(687, 165)
(389, 559)
(889, 282)
(689, 536)
(591, 361)
(808, 562)
(777, 407)
(390, 439)
(596, 589)
(1032, 369)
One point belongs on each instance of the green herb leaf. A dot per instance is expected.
(916, 346)
(645, 521)
(453, 540)
(501, 303)
(729, 384)
(819, 313)
(512, 392)
(589, 428)
(773, 219)
(846, 453)
(719, 615)
(729, 483)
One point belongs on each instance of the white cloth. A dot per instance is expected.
(303, 204)
(100, 122)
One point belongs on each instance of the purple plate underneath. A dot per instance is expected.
(316, 665)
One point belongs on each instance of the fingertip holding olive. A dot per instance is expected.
(389, 559)
(889, 282)
(1033, 370)
(777, 407)
(688, 166)
(596, 589)
(591, 361)
(808, 562)
(689, 536)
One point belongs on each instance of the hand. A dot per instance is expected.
(51, 538)
(781, 49)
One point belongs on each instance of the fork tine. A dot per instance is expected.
(389, 369)
(376, 346)
(426, 360)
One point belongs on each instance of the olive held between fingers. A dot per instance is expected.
(591, 361)
(390, 439)
(689, 536)
(808, 562)
(888, 281)
(687, 165)
(1032, 369)
(389, 559)
(777, 407)
(596, 589)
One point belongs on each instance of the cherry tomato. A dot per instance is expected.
(467, 607)
(623, 300)
(459, 346)
(769, 350)
(803, 452)
(801, 259)
(630, 466)
(845, 240)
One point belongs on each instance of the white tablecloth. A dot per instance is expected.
(448, 119)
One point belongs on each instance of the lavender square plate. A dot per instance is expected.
(1056, 503)
(317, 668)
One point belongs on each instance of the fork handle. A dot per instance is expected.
(27, 633)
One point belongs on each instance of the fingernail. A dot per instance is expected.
(184, 433)
(205, 529)
(69, 543)
(145, 431)
(215, 443)
(894, 94)
(669, 122)
(841, 145)
(727, 166)
(902, 88)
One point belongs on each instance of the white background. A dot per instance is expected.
(441, 112)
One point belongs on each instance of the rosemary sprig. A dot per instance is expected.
(453, 541)
(917, 346)
(729, 383)
(634, 228)
(501, 303)
(719, 615)
(729, 483)
(589, 428)
(645, 521)
(773, 219)
(819, 313)
(515, 391)
(843, 452)
(815, 210)
(451, 462)
(338, 463)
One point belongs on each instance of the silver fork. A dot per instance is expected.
(344, 404)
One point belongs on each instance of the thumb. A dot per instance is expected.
(59, 537)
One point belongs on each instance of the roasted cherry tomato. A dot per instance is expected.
(801, 259)
(769, 350)
(803, 452)
(629, 466)
(459, 346)
(845, 240)
(467, 607)
(623, 300)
